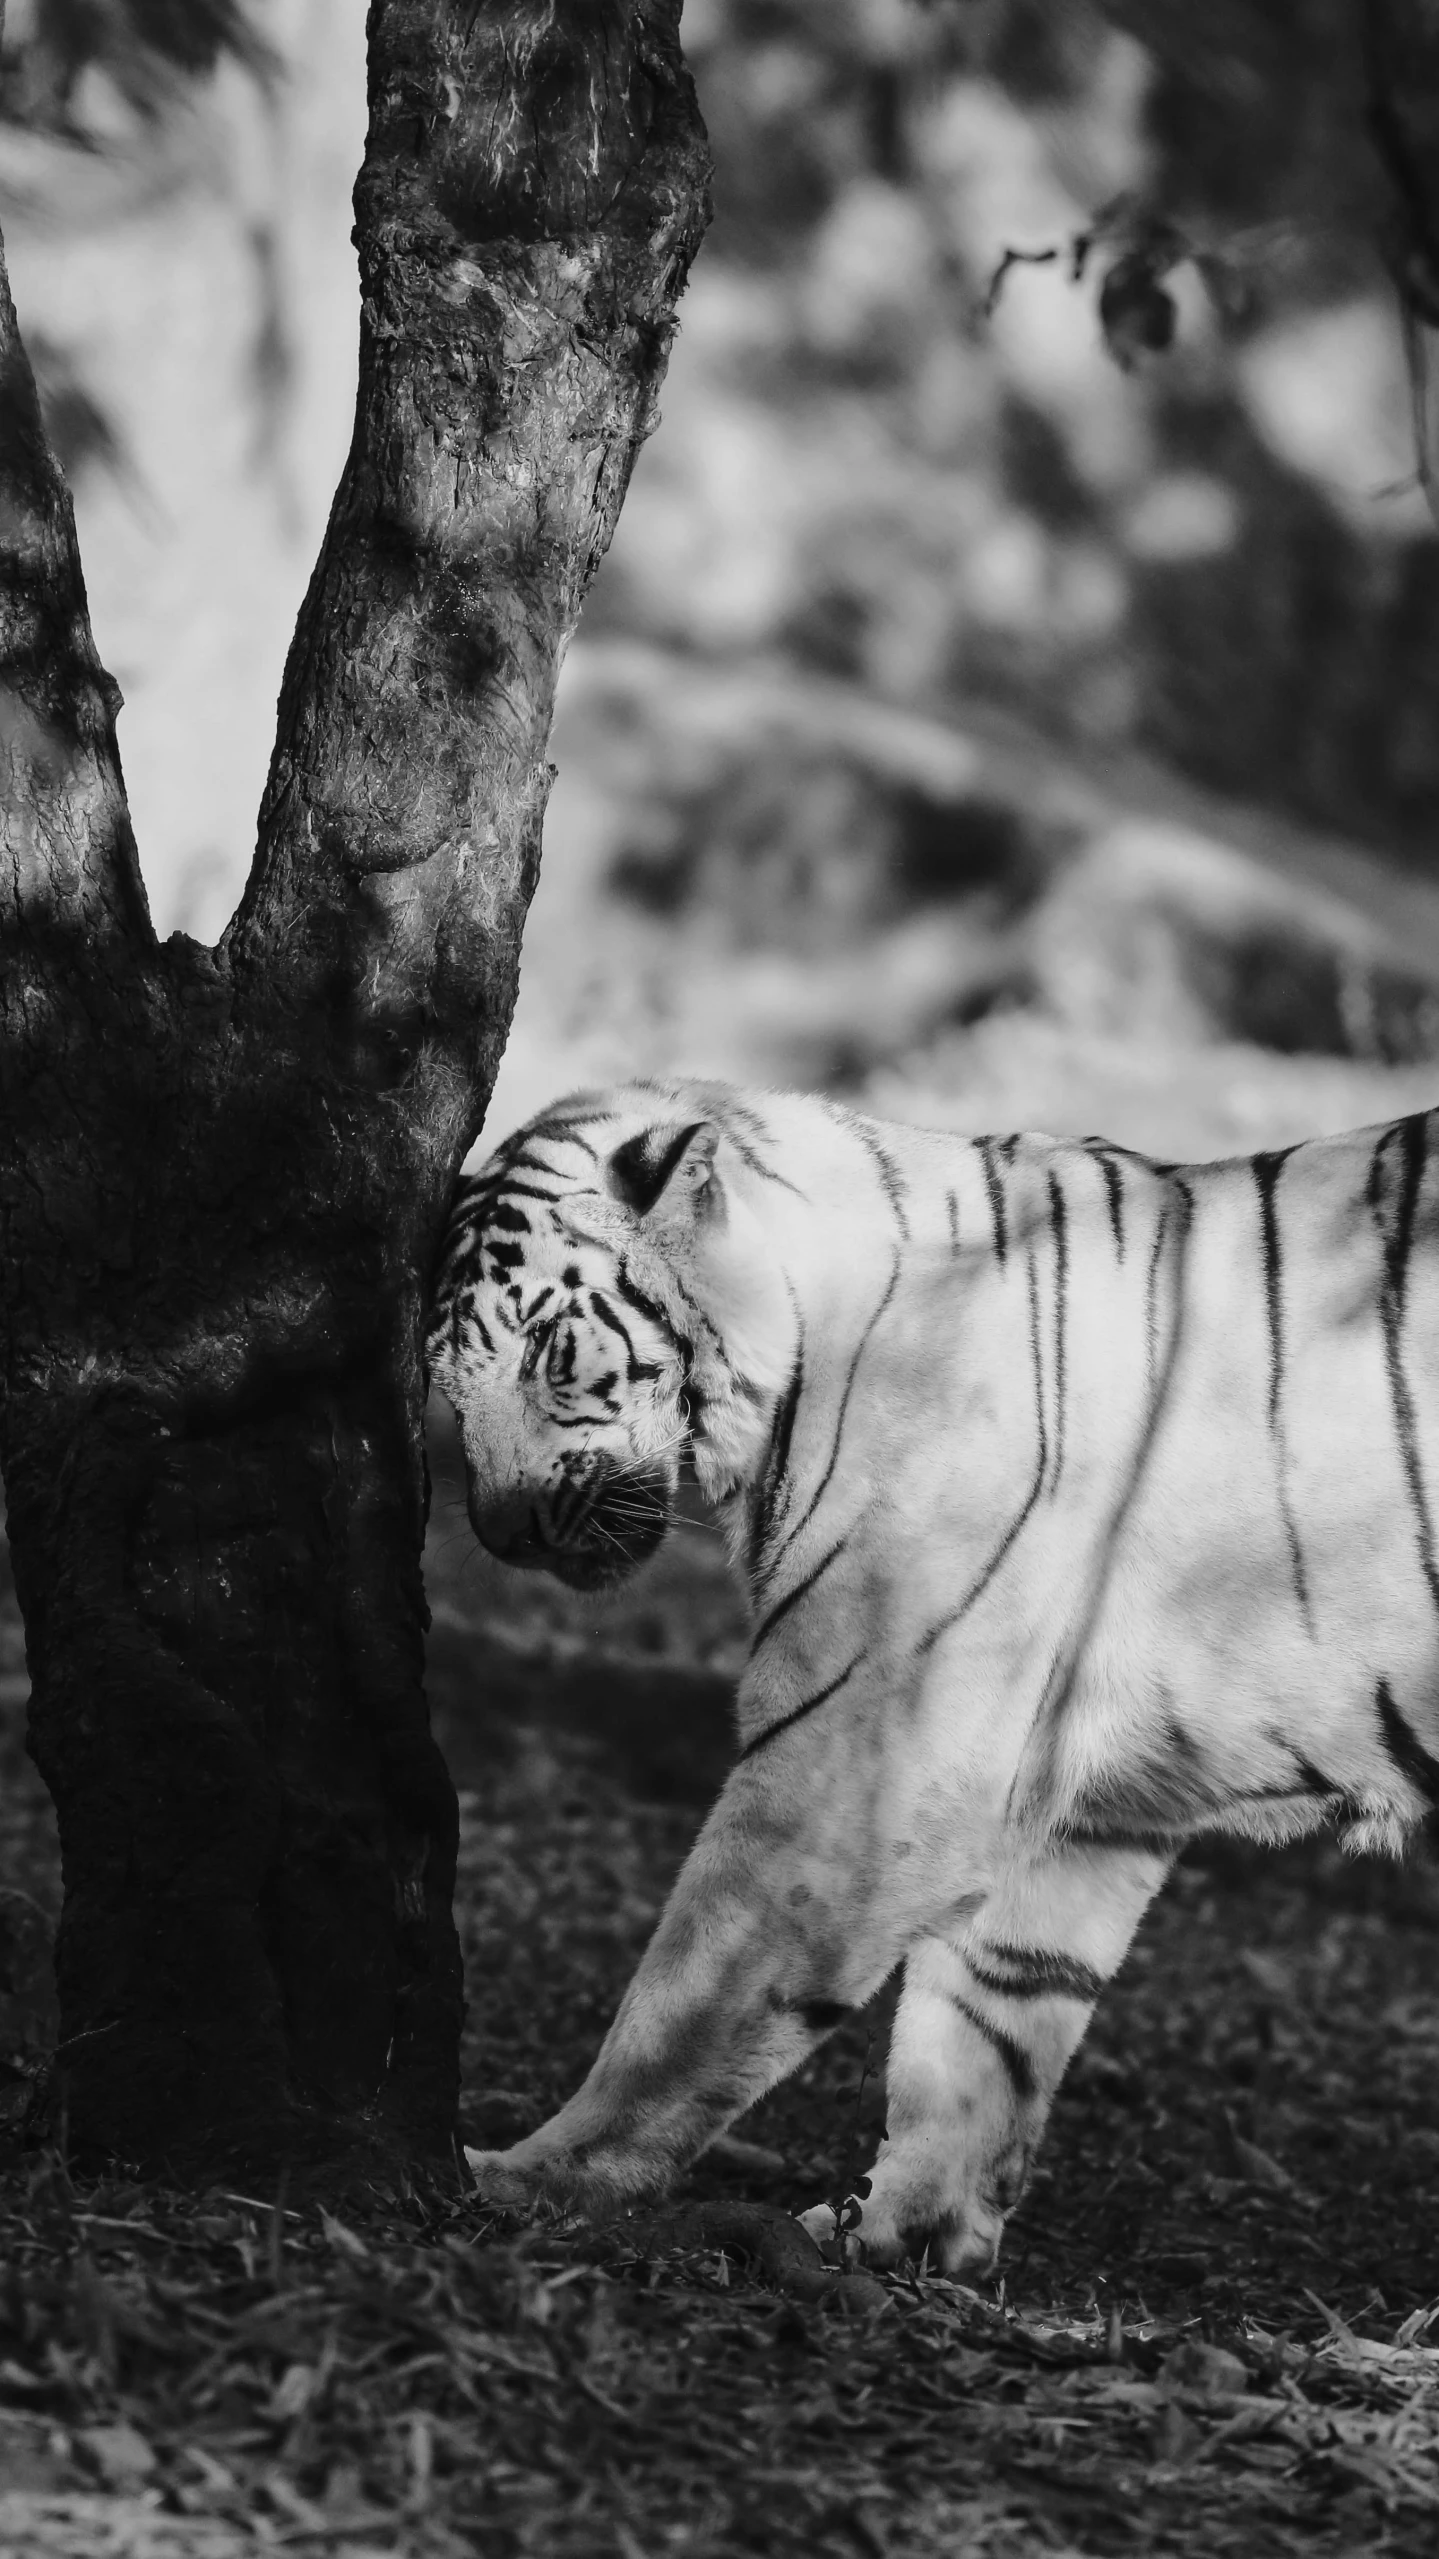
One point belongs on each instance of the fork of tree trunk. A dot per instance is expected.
(223, 1172)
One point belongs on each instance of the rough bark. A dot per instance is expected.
(222, 1173)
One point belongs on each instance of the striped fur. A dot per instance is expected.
(1084, 1504)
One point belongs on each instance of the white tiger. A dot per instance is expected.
(1083, 1502)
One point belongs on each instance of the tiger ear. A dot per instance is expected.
(666, 1166)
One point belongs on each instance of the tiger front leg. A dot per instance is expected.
(985, 2027)
(758, 1954)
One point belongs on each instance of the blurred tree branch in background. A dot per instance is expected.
(148, 50)
(1286, 100)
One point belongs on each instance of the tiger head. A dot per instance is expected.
(605, 1300)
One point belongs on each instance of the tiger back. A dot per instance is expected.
(1083, 1503)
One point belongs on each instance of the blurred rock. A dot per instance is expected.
(119, 2453)
(1159, 932)
(791, 846)
(1197, 2371)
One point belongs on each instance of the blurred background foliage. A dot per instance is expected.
(1010, 695)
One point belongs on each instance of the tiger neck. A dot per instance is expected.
(842, 1221)
(755, 1394)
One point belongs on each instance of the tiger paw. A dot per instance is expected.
(500, 2180)
(541, 2171)
(924, 2216)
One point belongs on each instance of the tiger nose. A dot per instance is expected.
(506, 1530)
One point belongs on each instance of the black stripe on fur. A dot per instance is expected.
(1035, 1972)
(1018, 2068)
(807, 1706)
(1405, 1748)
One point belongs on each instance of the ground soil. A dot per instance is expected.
(1210, 2329)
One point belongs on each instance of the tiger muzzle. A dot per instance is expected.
(625, 1523)
(588, 1535)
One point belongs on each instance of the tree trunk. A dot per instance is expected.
(222, 1173)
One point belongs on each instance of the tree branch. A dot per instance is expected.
(534, 188)
(68, 852)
